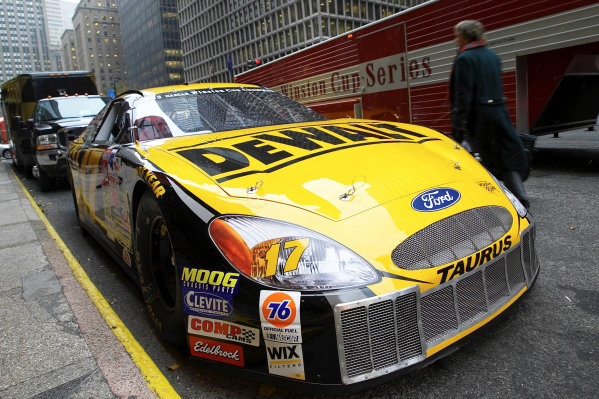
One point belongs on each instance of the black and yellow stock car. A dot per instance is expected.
(267, 238)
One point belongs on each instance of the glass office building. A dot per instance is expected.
(219, 37)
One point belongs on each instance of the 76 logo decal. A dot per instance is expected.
(280, 315)
(279, 309)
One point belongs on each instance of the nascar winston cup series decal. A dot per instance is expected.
(282, 332)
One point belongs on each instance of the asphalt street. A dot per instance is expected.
(546, 346)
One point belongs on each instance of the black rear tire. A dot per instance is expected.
(157, 270)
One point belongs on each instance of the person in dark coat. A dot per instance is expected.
(479, 114)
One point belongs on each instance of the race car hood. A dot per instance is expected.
(334, 168)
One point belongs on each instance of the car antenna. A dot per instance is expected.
(131, 92)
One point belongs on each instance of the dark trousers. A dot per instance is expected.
(513, 182)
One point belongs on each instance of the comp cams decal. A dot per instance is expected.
(475, 260)
(282, 332)
(208, 292)
(277, 149)
(435, 199)
(223, 330)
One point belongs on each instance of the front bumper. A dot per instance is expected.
(52, 162)
(380, 335)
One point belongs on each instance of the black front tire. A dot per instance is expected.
(6, 153)
(157, 270)
(47, 183)
(75, 204)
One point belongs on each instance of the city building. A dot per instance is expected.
(23, 33)
(220, 38)
(151, 42)
(98, 42)
(58, 18)
(69, 51)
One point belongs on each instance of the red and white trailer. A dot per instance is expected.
(398, 68)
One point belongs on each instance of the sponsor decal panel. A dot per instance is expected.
(223, 330)
(280, 316)
(219, 351)
(286, 360)
(208, 292)
(435, 199)
(282, 332)
(210, 280)
(206, 303)
(152, 180)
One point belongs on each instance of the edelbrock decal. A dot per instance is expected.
(435, 199)
(219, 351)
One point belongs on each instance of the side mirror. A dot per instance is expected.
(15, 122)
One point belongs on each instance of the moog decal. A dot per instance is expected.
(210, 280)
(475, 260)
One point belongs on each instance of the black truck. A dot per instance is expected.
(43, 112)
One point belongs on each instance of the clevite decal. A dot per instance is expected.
(206, 304)
(473, 261)
(214, 350)
(278, 149)
(435, 199)
(223, 330)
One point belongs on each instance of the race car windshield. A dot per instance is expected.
(218, 110)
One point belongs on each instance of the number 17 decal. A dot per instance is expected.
(274, 253)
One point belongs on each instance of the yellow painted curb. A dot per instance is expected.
(156, 381)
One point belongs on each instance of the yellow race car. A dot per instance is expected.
(271, 240)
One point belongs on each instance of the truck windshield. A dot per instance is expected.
(69, 107)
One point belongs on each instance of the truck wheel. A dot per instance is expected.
(79, 217)
(157, 270)
(46, 182)
(6, 153)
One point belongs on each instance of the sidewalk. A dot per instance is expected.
(578, 139)
(53, 341)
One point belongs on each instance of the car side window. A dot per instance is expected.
(90, 132)
(108, 129)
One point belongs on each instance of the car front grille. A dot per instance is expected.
(382, 334)
(453, 238)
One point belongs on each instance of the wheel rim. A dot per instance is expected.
(162, 263)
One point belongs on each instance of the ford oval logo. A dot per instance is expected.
(435, 199)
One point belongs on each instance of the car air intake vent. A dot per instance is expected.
(453, 238)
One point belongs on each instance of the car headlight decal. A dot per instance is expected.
(288, 256)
